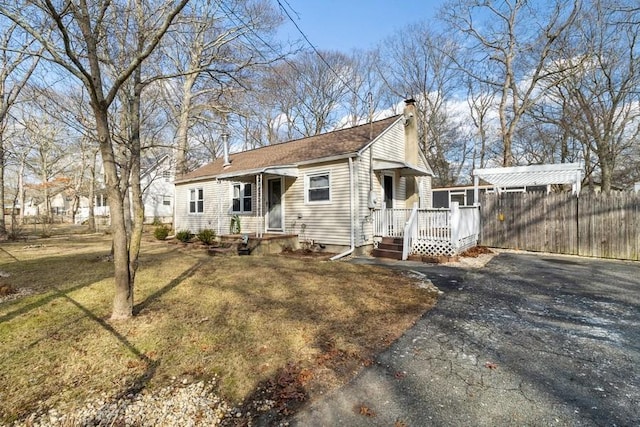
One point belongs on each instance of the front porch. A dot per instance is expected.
(428, 232)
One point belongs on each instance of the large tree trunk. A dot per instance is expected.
(20, 194)
(91, 221)
(606, 168)
(123, 299)
(3, 225)
(137, 207)
(182, 142)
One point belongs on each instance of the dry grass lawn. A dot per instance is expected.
(241, 319)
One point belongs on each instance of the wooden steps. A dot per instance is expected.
(389, 247)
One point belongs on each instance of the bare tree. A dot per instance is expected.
(597, 103)
(79, 42)
(510, 45)
(208, 62)
(16, 67)
(417, 63)
(311, 92)
(47, 156)
(481, 100)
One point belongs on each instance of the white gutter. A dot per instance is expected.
(351, 213)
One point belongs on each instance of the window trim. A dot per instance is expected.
(307, 187)
(242, 198)
(198, 202)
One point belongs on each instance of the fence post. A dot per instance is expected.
(454, 223)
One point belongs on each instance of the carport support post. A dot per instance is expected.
(454, 224)
(476, 191)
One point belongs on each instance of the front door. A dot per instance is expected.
(388, 191)
(274, 204)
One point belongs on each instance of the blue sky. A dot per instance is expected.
(354, 24)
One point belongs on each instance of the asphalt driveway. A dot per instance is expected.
(528, 340)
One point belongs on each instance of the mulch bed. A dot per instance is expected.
(476, 251)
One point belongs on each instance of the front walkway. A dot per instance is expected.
(529, 339)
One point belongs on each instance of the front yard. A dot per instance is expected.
(240, 320)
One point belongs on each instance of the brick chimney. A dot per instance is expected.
(411, 146)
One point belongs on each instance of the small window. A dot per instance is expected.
(166, 175)
(242, 198)
(459, 197)
(196, 200)
(319, 187)
(166, 200)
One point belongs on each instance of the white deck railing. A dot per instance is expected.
(430, 231)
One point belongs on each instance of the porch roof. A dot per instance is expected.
(291, 171)
(522, 176)
(404, 168)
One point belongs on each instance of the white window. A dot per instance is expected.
(318, 187)
(166, 175)
(241, 202)
(196, 200)
(166, 200)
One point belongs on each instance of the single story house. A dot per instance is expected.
(323, 188)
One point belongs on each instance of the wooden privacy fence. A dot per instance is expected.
(596, 225)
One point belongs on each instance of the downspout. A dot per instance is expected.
(219, 213)
(351, 216)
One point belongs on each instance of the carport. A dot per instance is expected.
(506, 178)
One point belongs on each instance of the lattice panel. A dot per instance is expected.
(433, 248)
(467, 242)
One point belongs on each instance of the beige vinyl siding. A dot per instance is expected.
(390, 145)
(424, 186)
(248, 220)
(364, 227)
(217, 208)
(325, 222)
(196, 222)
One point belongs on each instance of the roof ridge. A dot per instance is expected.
(314, 136)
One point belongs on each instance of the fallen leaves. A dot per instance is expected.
(365, 411)
(400, 375)
(490, 365)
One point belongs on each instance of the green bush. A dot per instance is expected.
(183, 235)
(207, 236)
(161, 232)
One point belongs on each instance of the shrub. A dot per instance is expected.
(207, 236)
(183, 235)
(15, 232)
(234, 227)
(161, 232)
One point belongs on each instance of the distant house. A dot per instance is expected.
(60, 204)
(156, 180)
(157, 190)
(323, 188)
